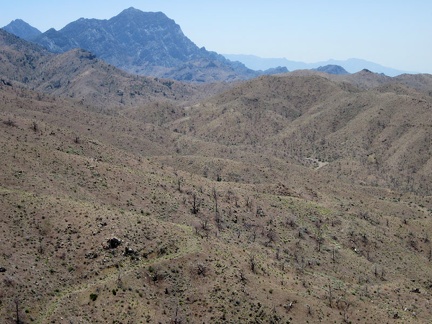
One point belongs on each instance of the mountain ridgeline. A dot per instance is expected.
(146, 43)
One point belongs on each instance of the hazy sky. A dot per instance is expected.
(393, 33)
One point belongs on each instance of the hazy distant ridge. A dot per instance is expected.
(352, 65)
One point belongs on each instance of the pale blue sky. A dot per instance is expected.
(394, 33)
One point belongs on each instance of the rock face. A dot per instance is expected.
(22, 29)
(145, 43)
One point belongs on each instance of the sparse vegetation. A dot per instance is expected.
(283, 199)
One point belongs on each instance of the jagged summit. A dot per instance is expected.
(147, 43)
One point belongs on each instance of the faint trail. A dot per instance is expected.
(191, 247)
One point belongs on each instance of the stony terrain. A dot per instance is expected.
(300, 198)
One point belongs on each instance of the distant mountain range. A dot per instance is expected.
(352, 65)
(150, 43)
(147, 43)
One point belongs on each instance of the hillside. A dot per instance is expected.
(301, 198)
(371, 131)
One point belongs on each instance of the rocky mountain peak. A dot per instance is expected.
(22, 29)
(146, 43)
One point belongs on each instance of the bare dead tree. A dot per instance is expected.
(176, 319)
(309, 310)
(243, 278)
(383, 274)
(344, 305)
(271, 235)
(195, 204)
(180, 181)
(215, 197)
(249, 203)
(17, 310)
(204, 225)
(330, 294)
(219, 221)
(41, 249)
(277, 254)
(252, 263)
(35, 126)
(333, 255)
(319, 236)
(254, 234)
(119, 279)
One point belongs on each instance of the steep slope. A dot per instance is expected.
(144, 43)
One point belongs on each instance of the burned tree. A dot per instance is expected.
(195, 204)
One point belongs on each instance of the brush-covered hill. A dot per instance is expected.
(98, 225)
(148, 213)
(371, 130)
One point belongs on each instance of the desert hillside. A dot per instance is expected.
(300, 198)
(376, 134)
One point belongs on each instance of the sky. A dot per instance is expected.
(393, 33)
